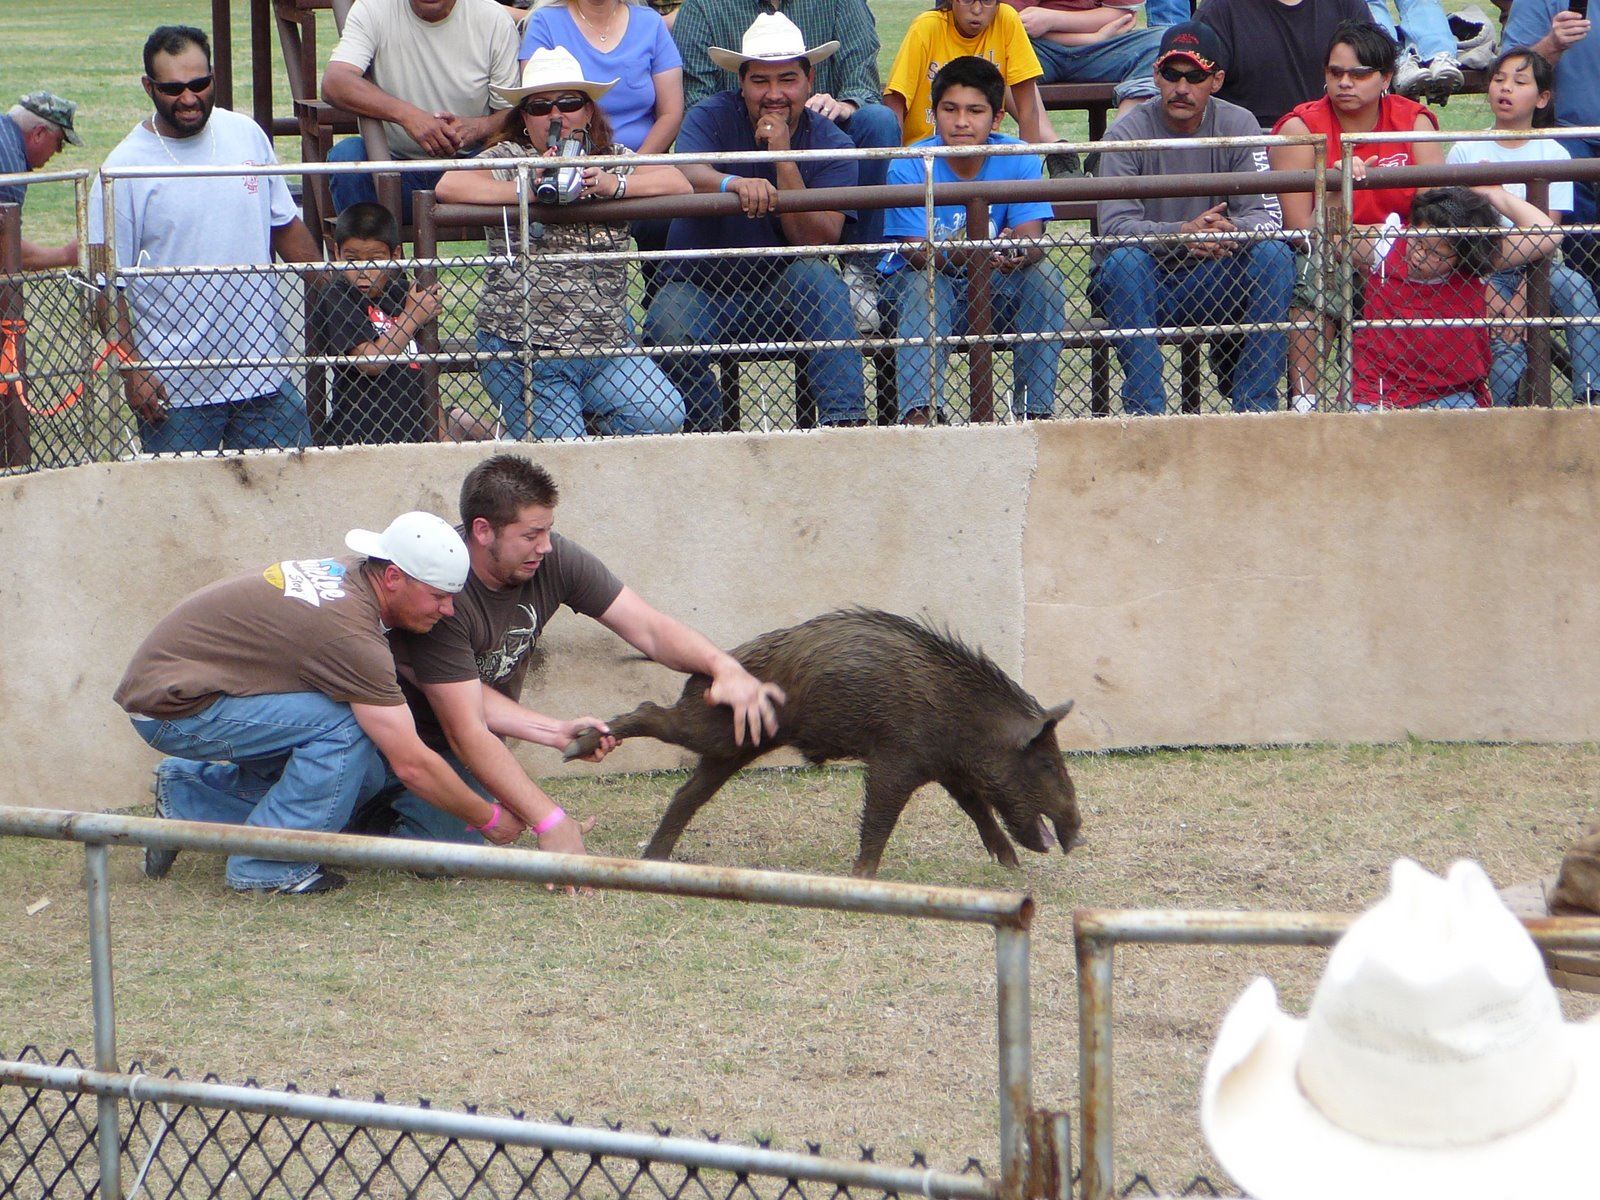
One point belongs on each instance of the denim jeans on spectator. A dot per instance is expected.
(294, 760)
(1133, 291)
(1127, 60)
(1453, 400)
(1161, 13)
(1421, 21)
(623, 395)
(276, 421)
(408, 815)
(1027, 301)
(871, 126)
(806, 300)
(359, 188)
(1570, 296)
(1582, 250)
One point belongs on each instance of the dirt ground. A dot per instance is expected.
(771, 1023)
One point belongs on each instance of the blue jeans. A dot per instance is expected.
(1570, 296)
(624, 395)
(356, 188)
(1025, 301)
(1582, 250)
(872, 125)
(1422, 22)
(401, 813)
(275, 421)
(1133, 291)
(1453, 400)
(1161, 13)
(296, 760)
(1127, 60)
(806, 300)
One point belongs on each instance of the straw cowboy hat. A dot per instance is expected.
(1434, 1062)
(772, 37)
(552, 71)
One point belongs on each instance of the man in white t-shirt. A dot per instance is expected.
(200, 222)
(1571, 295)
(423, 67)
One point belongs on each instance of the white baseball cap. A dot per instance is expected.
(422, 545)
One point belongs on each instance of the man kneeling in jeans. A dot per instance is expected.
(275, 693)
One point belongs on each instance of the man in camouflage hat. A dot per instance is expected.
(31, 134)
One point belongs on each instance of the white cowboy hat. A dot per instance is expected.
(1434, 1062)
(552, 71)
(772, 37)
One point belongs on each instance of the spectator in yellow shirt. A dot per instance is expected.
(984, 29)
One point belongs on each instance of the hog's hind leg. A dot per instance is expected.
(709, 775)
(680, 725)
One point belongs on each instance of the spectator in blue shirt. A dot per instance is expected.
(37, 128)
(1026, 288)
(705, 301)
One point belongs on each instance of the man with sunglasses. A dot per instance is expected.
(37, 128)
(1187, 264)
(201, 222)
(1274, 49)
(425, 68)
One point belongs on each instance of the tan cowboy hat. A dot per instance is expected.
(1433, 1062)
(772, 37)
(552, 71)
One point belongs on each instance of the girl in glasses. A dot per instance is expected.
(568, 311)
(1357, 71)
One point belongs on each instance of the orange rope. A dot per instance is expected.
(11, 333)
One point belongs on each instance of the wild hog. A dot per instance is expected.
(913, 704)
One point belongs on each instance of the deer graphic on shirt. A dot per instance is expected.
(497, 664)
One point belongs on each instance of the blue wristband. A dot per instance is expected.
(726, 180)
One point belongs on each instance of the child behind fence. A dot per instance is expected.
(1439, 269)
(366, 311)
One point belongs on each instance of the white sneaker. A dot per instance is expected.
(862, 280)
(1305, 402)
(1444, 76)
(1410, 76)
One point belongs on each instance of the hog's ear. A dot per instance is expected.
(1045, 724)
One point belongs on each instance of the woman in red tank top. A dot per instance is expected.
(1357, 71)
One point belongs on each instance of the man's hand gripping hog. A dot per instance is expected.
(916, 706)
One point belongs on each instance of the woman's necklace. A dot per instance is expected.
(211, 149)
(603, 33)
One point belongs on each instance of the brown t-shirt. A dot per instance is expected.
(308, 625)
(493, 634)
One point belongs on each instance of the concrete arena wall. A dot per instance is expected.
(1190, 580)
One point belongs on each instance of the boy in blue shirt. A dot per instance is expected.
(1025, 287)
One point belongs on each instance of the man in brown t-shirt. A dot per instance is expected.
(276, 695)
(464, 676)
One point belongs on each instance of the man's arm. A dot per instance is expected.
(44, 258)
(675, 646)
(1027, 108)
(422, 771)
(292, 242)
(461, 712)
(345, 86)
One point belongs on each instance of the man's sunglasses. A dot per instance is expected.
(176, 88)
(1355, 73)
(566, 104)
(1177, 75)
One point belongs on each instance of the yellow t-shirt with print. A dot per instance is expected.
(933, 41)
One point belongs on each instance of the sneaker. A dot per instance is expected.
(1063, 164)
(312, 885)
(862, 280)
(158, 861)
(1475, 41)
(1410, 76)
(1444, 77)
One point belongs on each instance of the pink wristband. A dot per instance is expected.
(494, 819)
(549, 823)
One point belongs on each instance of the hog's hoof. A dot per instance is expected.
(586, 742)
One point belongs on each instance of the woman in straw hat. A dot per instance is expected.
(578, 305)
(1433, 1063)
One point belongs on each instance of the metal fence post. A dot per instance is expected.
(979, 319)
(427, 244)
(1094, 1061)
(98, 885)
(1539, 306)
(1016, 1055)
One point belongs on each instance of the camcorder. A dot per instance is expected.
(562, 185)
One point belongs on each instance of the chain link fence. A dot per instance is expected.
(188, 1152)
(529, 325)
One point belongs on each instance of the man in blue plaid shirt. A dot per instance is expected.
(847, 91)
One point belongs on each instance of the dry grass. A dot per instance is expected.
(783, 1024)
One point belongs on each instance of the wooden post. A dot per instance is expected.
(15, 446)
(980, 320)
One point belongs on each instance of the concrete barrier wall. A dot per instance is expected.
(1196, 580)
